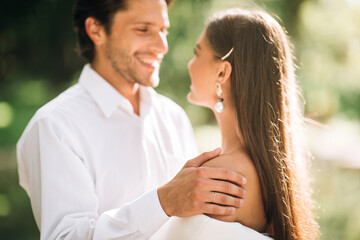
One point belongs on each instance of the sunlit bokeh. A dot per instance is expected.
(4, 206)
(6, 114)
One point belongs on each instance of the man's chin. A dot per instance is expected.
(154, 82)
(150, 82)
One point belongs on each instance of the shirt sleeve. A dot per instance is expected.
(62, 191)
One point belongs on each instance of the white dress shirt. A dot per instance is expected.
(201, 227)
(91, 166)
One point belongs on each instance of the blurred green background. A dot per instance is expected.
(38, 61)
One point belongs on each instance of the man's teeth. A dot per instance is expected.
(148, 61)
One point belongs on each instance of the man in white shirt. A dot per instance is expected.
(96, 161)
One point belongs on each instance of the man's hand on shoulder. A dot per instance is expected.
(196, 190)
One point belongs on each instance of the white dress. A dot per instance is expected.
(201, 227)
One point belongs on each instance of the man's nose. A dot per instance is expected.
(160, 44)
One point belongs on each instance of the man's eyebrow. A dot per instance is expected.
(145, 23)
(149, 23)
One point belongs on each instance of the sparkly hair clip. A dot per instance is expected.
(228, 54)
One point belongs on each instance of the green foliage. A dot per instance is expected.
(16, 219)
(337, 196)
(328, 49)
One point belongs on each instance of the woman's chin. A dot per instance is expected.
(192, 99)
(198, 102)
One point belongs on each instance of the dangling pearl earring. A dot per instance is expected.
(219, 106)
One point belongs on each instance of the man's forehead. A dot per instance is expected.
(147, 6)
(145, 11)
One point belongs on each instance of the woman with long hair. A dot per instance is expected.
(243, 70)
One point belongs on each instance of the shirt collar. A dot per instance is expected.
(107, 97)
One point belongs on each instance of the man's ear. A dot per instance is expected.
(224, 72)
(95, 30)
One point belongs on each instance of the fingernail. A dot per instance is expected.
(232, 211)
(244, 180)
(244, 193)
(241, 202)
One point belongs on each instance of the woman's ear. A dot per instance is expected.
(224, 72)
(95, 30)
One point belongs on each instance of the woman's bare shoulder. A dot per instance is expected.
(238, 161)
(251, 213)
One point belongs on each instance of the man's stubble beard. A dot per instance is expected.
(121, 62)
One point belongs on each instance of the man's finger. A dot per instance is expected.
(218, 210)
(222, 174)
(224, 187)
(206, 156)
(225, 200)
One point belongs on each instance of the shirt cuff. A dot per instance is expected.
(148, 213)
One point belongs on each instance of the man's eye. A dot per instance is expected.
(195, 52)
(142, 30)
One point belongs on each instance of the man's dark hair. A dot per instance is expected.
(103, 11)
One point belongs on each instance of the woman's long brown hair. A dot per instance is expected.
(264, 95)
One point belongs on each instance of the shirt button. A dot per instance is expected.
(92, 223)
